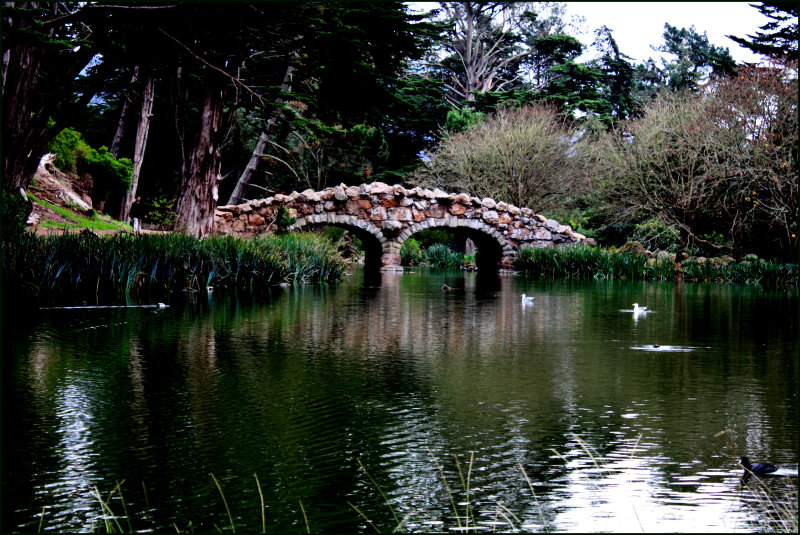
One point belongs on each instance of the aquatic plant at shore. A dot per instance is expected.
(86, 265)
(586, 262)
(774, 510)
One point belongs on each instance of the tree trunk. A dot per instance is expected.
(141, 143)
(247, 174)
(197, 196)
(123, 117)
(36, 83)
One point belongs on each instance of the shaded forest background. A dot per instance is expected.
(191, 105)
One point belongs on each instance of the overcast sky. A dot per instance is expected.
(636, 26)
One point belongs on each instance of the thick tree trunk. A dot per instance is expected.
(36, 82)
(148, 93)
(255, 158)
(197, 197)
(123, 117)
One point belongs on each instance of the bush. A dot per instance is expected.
(654, 234)
(109, 174)
(74, 155)
(526, 157)
(69, 147)
(411, 253)
(440, 255)
(161, 214)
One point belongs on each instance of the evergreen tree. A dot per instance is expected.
(777, 38)
(695, 58)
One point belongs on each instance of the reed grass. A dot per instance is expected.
(124, 265)
(778, 513)
(587, 262)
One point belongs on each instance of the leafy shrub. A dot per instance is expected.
(654, 234)
(440, 255)
(108, 173)
(74, 155)
(69, 148)
(160, 213)
(411, 253)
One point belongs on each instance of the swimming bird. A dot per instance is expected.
(161, 305)
(527, 300)
(756, 468)
(639, 310)
(445, 287)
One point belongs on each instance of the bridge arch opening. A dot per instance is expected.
(490, 245)
(370, 236)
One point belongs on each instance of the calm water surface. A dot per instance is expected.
(328, 398)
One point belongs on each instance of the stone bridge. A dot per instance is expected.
(383, 217)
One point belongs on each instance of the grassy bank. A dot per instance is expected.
(86, 265)
(584, 262)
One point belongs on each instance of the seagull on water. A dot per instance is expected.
(527, 300)
(639, 310)
(161, 305)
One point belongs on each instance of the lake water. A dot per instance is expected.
(387, 399)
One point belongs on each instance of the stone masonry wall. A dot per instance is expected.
(393, 213)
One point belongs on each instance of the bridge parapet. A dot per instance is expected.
(389, 215)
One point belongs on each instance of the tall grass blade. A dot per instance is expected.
(385, 499)
(305, 517)
(535, 498)
(365, 517)
(228, 509)
(447, 487)
(263, 507)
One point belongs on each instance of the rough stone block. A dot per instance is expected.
(391, 226)
(400, 213)
(377, 213)
(491, 217)
(457, 208)
(435, 211)
(489, 204)
(256, 219)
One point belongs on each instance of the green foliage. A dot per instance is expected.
(69, 148)
(459, 120)
(769, 274)
(411, 253)
(283, 220)
(161, 213)
(108, 173)
(428, 237)
(440, 255)
(779, 36)
(71, 266)
(13, 214)
(74, 155)
(654, 235)
(584, 262)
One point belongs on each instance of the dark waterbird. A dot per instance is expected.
(756, 468)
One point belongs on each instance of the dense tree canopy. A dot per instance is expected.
(233, 101)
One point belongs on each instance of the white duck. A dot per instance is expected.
(639, 310)
(527, 300)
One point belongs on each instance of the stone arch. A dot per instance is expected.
(371, 236)
(492, 244)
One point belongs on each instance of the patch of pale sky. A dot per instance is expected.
(638, 26)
